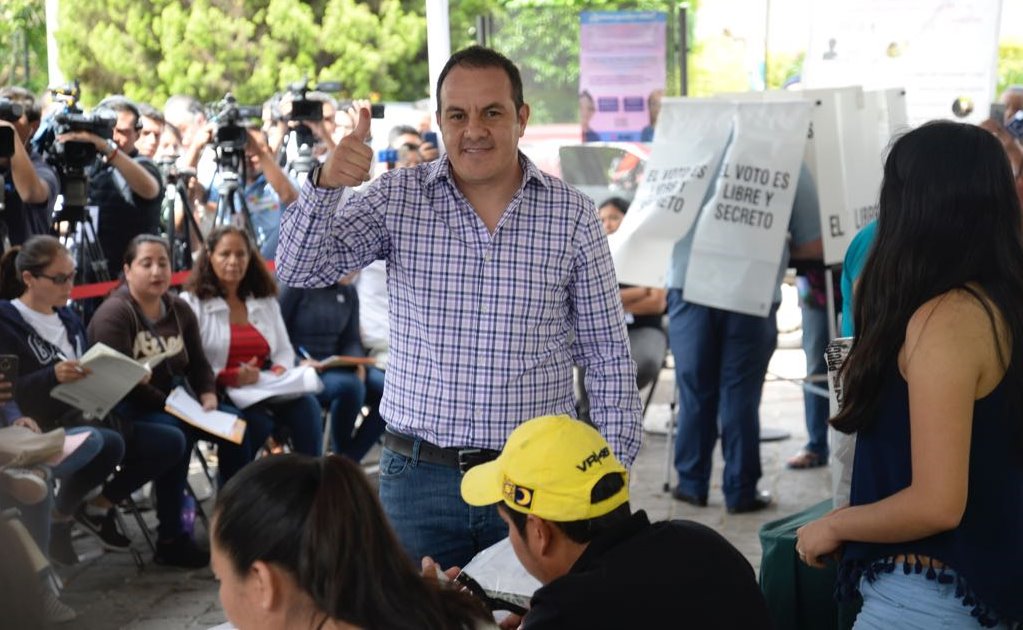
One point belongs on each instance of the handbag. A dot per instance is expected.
(798, 596)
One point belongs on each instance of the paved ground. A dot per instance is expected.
(109, 592)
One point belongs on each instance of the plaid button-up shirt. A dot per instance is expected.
(485, 328)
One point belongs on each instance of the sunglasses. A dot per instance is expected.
(60, 278)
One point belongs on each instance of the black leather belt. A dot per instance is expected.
(461, 458)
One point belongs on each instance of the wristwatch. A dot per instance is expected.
(113, 149)
(314, 175)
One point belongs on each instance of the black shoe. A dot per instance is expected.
(104, 528)
(61, 550)
(758, 502)
(678, 495)
(181, 552)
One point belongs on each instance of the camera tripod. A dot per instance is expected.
(302, 163)
(86, 249)
(179, 238)
(231, 206)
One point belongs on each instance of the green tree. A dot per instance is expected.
(1010, 65)
(150, 49)
(23, 44)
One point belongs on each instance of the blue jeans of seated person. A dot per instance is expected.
(815, 342)
(424, 505)
(231, 457)
(897, 600)
(346, 394)
(87, 467)
(721, 360)
(158, 450)
(302, 416)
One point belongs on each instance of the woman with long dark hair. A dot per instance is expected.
(933, 390)
(300, 542)
(243, 333)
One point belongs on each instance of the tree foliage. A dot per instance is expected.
(23, 44)
(150, 49)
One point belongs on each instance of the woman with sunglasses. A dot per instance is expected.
(48, 338)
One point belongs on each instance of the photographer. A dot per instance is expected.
(125, 186)
(267, 188)
(30, 185)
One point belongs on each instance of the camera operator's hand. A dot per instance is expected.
(275, 132)
(320, 132)
(139, 180)
(428, 151)
(275, 176)
(88, 137)
(349, 164)
(30, 187)
(202, 137)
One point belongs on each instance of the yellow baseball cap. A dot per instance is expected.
(548, 468)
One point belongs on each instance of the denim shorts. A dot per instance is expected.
(898, 600)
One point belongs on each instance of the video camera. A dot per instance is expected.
(231, 132)
(72, 158)
(304, 109)
(11, 112)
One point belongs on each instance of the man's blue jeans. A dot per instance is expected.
(424, 505)
(346, 394)
(815, 341)
(721, 359)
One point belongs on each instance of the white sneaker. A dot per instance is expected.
(55, 610)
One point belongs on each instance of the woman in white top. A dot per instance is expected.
(235, 299)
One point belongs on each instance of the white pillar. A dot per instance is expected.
(55, 76)
(438, 42)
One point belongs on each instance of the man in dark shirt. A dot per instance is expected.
(125, 186)
(30, 185)
(565, 498)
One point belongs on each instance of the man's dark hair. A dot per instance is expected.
(148, 111)
(480, 57)
(400, 130)
(120, 103)
(584, 531)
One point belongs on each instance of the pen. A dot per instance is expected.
(77, 368)
(305, 353)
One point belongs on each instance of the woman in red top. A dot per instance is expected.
(243, 333)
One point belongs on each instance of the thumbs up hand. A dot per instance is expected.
(350, 162)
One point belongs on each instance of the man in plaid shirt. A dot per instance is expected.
(500, 280)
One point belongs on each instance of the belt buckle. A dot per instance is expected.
(470, 457)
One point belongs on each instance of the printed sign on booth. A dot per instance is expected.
(690, 140)
(742, 231)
